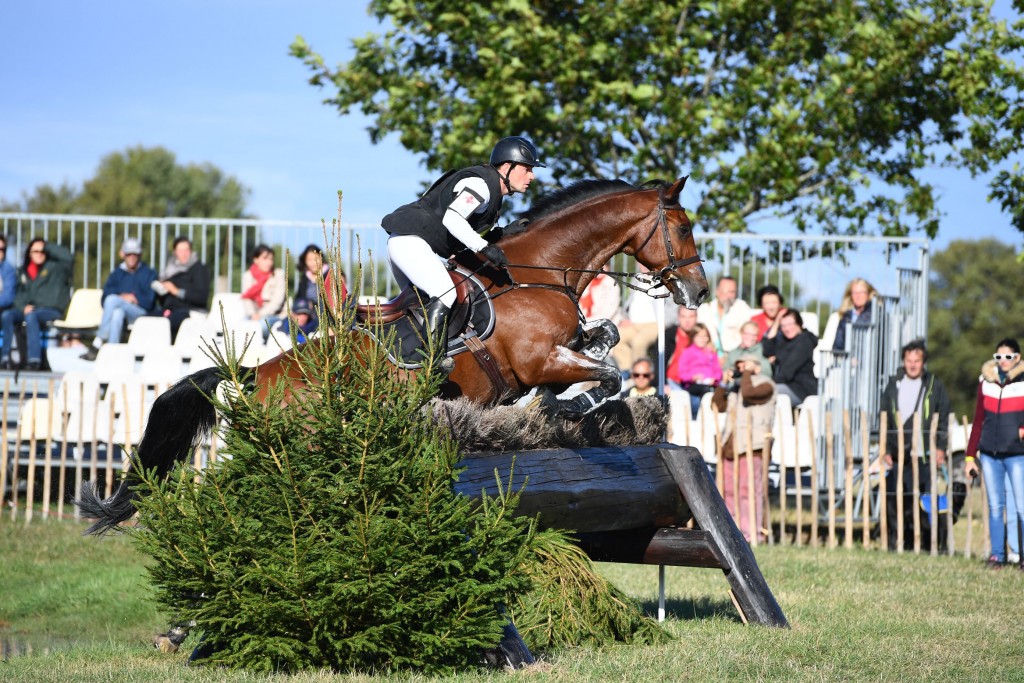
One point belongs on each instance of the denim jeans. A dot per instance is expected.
(34, 322)
(999, 472)
(117, 312)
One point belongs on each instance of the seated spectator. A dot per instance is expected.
(637, 329)
(770, 300)
(793, 349)
(699, 370)
(307, 300)
(643, 380)
(602, 299)
(749, 346)
(723, 316)
(8, 278)
(43, 293)
(753, 400)
(127, 295)
(677, 338)
(856, 308)
(264, 289)
(183, 285)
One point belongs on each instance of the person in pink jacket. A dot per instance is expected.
(698, 367)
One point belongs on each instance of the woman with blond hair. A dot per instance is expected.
(856, 308)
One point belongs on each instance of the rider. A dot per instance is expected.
(457, 212)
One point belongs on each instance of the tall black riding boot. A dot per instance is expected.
(437, 316)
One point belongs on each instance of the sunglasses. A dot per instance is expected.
(1005, 356)
(642, 374)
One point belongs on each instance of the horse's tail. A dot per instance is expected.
(180, 418)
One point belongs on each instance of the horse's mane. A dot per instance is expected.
(579, 191)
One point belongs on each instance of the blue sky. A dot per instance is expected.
(212, 81)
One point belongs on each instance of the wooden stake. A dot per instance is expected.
(883, 484)
(720, 461)
(30, 482)
(62, 482)
(752, 491)
(48, 458)
(3, 449)
(933, 475)
(916, 441)
(848, 479)
(830, 480)
(967, 503)
(783, 490)
(814, 481)
(766, 456)
(900, 462)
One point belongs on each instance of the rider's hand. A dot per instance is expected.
(494, 254)
(515, 227)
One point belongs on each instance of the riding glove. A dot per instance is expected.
(494, 254)
(515, 227)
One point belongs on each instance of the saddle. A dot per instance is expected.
(398, 323)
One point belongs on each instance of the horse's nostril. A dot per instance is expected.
(703, 296)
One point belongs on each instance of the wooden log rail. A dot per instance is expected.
(631, 505)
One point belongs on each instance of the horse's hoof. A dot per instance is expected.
(446, 366)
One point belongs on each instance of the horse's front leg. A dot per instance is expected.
(564, 366)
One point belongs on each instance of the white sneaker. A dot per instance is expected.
(1012, 558)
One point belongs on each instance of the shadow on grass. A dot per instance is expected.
(692, 609)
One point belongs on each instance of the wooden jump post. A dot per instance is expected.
(631, 505)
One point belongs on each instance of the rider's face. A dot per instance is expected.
(520, 177)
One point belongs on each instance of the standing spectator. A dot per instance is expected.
(43, 293)
(793, 349)
(770, 300)
(724, 316)
(127, 295)
(637, 329)
(749, 346)
(699, 369)
(602, 299)
(264, 289)
(856, 308)
(913, 390)
(643, 380)
(753, 400)
(998, 436)
(184, 285)
(677, 338)
(8, 278)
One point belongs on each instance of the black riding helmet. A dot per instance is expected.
(517, 150)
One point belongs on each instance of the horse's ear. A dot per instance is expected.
(672, 196)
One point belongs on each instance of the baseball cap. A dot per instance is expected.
(131, 246)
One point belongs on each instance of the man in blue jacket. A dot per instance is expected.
(127, 295)
(8, 278)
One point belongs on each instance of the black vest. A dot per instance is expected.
(423, 217)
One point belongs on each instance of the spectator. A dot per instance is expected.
(997, 435)
(856, 309)
(307, 301)
(602, 299)
(183, 286)
(724, 316)
(753, 400)
(127, 295)
(643, 380)
(637, 329)
(912, 391)
(699, 370)
(677, 338)
(770, 300)
(43, 293)
(793, 349)
(749, 345)
(264, 289)
(8, 278)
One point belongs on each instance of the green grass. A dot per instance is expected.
(81, 605)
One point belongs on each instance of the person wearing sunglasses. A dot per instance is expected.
(44, 291)
(997, 439)
(643, 380)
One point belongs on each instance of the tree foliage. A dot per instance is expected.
(974, 302)
(332, 537)
(822, 112)
(143, 181)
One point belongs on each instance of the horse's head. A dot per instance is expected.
(669, 251)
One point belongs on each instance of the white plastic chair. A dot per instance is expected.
(84, 312)
(234, 313)
(162, 366)
(149, 332)
(113, 359)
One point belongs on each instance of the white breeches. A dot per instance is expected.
(414, 262)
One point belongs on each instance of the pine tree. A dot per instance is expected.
(331, 536)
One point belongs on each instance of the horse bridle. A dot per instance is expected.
(658, 279)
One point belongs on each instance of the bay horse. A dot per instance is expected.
(538, 338)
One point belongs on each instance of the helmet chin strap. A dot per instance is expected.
(508, 182)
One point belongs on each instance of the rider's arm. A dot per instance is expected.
(470, 195)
